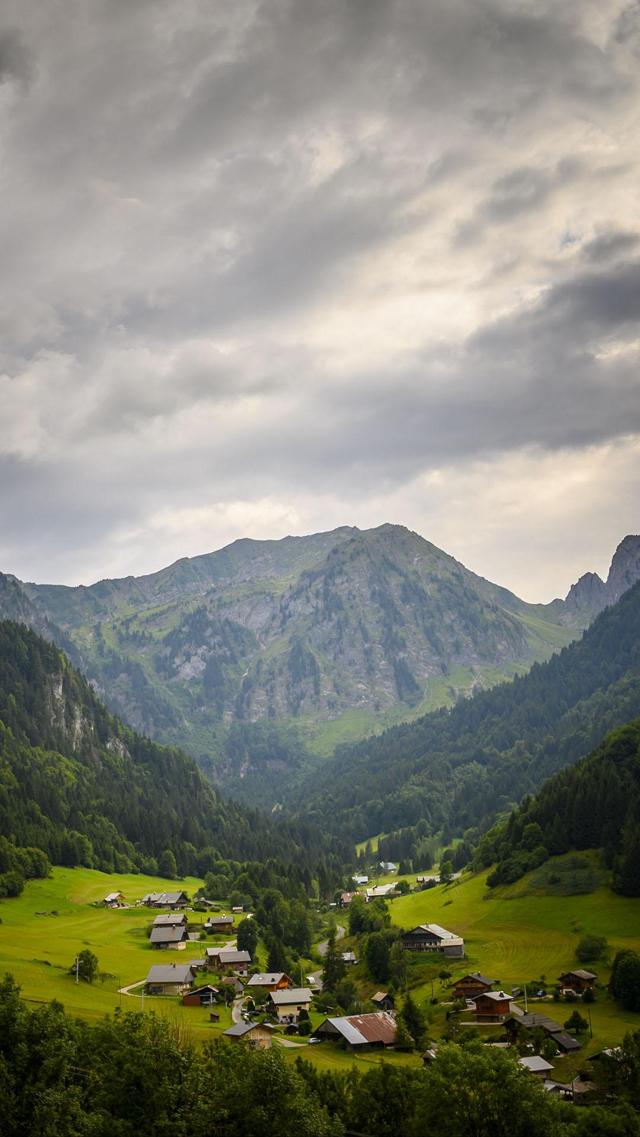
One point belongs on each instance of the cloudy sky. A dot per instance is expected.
(272, 266)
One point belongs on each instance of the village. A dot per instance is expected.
(272, 1008)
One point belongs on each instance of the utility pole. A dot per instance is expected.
(526, 1005)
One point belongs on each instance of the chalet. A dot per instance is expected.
(383, 1001)
(388, 866)
(536, 1065)
(169, 978)
(204, 996)
(492, 1006)
(431, 937)
(169, 938)
(166, 900)
(380, 890)
(256, 1035)
(269, 981)
(345, 899)
(228, 959)
(218, 924)
(287, 1004)
(170, 920)
(578, 981)
(376, 1030)
(349, 958)
(471, 985)
(517, 1023)
(237, 908)
(113, 900)
(360, 878)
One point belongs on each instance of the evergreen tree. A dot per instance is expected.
(333, 969)
(414, 1019)
(167, 864)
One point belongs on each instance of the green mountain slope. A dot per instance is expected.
(251, 656)
(460, 767)
(594, 804)
(78, 784)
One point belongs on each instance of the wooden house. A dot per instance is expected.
(170, 920)
(431, 937)
(218, 925)
(166, 900)
(203, 996)
(578, 981)
(114, 900)
(257, 1035)
(287, 1004)
(535, 1064)
(371, 1031)
(492, 1006)
(170, 978)
(383, 1001)
(169, 938)
(471, 985)
(269, 981)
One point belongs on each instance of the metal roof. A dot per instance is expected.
(358, 1030)
(169, 919)
(293, 995)
(170, 973)
(173, 934)
(264, 979)
(231, 956)
(535, 1064)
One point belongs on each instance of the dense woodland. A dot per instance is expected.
(592, 805)
(84, 789)
(460, 768)
(134, 1076)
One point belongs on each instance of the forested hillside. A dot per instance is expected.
(592, 805)
(320, 638)
(83, 788)
(461, 767)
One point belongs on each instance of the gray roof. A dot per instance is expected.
(215, 919)
(231, 956)
(535, 1064)
(112, 896)
(169, 935)
(266, 978)
(581, 973)
(239, 1029)
(293, 995)
(170, 973)
(160, 898)
(169, 919)
(476, 975)
(496, 996)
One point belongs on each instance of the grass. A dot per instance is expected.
(38, 948)
(517, 933)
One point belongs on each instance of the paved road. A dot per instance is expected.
(323, 947)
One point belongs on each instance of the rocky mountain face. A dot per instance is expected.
(591, 595)
(328, 636)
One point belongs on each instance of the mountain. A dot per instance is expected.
(592, 805)
(459, 768)
(79, 785)
(591, 595)
(251, 656)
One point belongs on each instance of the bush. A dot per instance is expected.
(591, 948)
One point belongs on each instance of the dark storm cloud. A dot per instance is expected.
(317, 247)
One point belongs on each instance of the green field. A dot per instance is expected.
(38, 948)
(513, 934)
(516, 935)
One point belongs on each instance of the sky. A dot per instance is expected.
(273, 267)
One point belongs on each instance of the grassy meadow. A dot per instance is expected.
(42, 931)
(517, 934)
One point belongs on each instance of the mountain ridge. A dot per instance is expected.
(324, 637)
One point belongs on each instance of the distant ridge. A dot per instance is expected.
(252, 656)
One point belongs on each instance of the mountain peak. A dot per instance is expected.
(625, 568)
